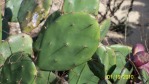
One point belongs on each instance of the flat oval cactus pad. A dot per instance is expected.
(71, 40)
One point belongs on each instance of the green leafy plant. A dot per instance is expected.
(68, 48)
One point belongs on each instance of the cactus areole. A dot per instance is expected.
(74, 37)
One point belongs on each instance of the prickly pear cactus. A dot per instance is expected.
(121, 52)
(109, 63)
(18, 69)
(123, 68)
(32, 12)
(103, 61)
(73, 37)
(89, 6)
(12, 9)
(69, 42)
(13, 44)
(82, 75)
(20, 42)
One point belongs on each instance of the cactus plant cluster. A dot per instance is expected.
(68, 48)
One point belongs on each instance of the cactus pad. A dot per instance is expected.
(71, 40)
(89, 6)
(32, 12)
(18, 69)
(20, 42)
(121, 52)
(82, 75)
(103, 61)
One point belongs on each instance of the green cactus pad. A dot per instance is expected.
(20, 42)
(71, 40)
(122, 68)
(103, 61)
(18, 69)
(12, 9)
(32, 12)
(13, 44)
(121, 51)
(89, 6)
(82, 75)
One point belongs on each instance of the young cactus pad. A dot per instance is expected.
(89, 6)
(71, 40)
(18, 69)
